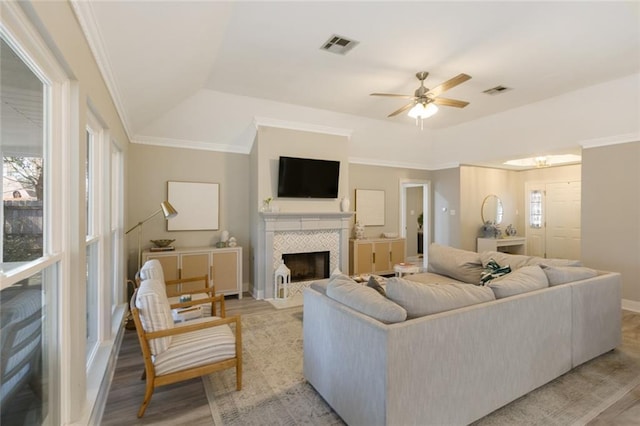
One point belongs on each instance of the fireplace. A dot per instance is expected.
(307, 266)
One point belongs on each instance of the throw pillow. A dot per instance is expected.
(493, 270)
(458, 264)
(364, 299)
(374, 284)
(523, 280)
(515, 261)
(425, 299)
(565, 274)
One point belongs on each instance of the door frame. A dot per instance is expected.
(426, 219)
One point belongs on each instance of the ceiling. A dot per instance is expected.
(160, 57)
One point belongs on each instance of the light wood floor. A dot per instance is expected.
(186, 403)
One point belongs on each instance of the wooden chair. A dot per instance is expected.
(177, 352)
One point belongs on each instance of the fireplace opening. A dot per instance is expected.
(307, 266)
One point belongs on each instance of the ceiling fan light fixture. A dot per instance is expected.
(420, 111)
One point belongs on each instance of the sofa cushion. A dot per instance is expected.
(431, 278)
(364, 299)
(523, 280)
(152, 269)
(374, 284)
(565, 274)
(155, 312)
(320, 286)
(424, 299)
(516, 261)
(461, 265)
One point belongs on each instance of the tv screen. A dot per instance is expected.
(308, 178)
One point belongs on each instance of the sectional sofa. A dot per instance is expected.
(439, 349)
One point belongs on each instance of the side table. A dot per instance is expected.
(405, 268)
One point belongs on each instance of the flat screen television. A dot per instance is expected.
(308, 178)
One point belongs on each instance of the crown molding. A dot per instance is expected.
(296, 125)
(189, 144)
(84, 13)
(610, 140)
(386, 163)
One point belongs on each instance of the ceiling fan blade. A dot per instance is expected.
(392, 95)
(450, 102)
(459, 79)
(404, 108)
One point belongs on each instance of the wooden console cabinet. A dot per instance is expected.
(375, 256)
(223, 266)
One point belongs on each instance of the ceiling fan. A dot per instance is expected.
(423, 102)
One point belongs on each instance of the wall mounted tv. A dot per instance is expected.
(308, 178)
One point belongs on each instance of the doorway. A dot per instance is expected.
(553, 219)
(414, 205)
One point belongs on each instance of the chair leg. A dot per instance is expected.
(147, 398)
(239, 374)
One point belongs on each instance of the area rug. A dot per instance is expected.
(275, 392)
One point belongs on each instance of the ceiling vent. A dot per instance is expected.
(496, 90)
(338, 44)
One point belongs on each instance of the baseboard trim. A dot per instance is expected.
(631, 305)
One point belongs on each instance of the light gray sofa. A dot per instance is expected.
(457, 366)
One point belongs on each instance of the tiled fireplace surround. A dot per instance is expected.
(299, 233)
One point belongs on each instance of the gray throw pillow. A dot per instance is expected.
(565, 274)
(374, 284)
(364, 299)
(425, 299)
(458, 264)
(523, 280)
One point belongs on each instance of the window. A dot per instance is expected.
(535, 209)
(93, 235)
(29, 268)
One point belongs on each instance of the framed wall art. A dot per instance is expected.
(370, 207)
(197, 204)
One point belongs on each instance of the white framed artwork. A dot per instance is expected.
(197, 205)
(370, 207)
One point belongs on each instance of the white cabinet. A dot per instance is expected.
(375, 256)
(223, 266)
(513, 245)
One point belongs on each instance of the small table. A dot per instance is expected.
(405, 268)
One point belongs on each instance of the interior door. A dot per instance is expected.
(563, 220)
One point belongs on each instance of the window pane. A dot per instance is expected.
(28, 347)
(535, 209)
(92, 299)
(21, 123)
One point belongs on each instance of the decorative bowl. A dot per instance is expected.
(162, 243)
(390, 234)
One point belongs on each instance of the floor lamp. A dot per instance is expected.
(167, 210)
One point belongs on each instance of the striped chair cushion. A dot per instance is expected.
(152, 269)
(155, 312)
(197, 348)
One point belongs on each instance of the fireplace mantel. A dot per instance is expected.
(271, 223)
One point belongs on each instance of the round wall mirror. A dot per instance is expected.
(492, 210)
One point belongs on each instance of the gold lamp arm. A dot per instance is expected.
(168, 212)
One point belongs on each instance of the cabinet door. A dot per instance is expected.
(169, 264)
(382, 257)
(397, 252)
(364, 258)
(225, 272)
(193, 265)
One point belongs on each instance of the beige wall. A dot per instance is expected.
(445, 199)
(386, 179)
(151, 167)
(611, 213)
(475, 184)
(274, 142)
